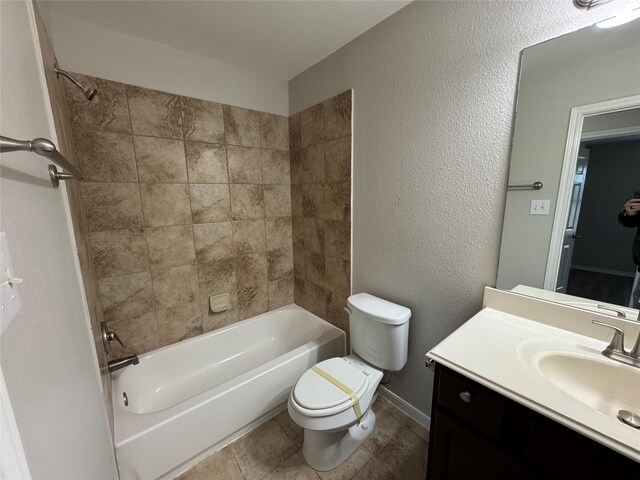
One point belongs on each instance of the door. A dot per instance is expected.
(570, 233)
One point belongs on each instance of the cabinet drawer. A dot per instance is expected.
(471, 402)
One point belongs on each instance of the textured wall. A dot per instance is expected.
(184, 199)
(47, 358)
(320, 139)
(433, 90)
(102, 52)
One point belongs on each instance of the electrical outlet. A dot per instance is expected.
(539, 207)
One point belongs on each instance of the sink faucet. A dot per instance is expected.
(119, 363)
(615, 350)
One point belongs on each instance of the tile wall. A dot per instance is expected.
(320, 141)
(184, 199)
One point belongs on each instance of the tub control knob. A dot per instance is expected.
(465, 397)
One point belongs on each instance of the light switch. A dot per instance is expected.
(9, 286)
(540, 207)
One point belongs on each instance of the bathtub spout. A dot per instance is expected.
(119, 363)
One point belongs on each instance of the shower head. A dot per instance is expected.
(89, 93)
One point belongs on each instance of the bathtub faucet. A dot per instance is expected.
(119, 363)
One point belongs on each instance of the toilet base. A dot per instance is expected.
(324, 451)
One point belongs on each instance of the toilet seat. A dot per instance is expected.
(318, 396)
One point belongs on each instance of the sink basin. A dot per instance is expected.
(603, 384)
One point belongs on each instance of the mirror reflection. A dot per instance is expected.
(577, 132)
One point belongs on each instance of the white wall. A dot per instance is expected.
(83, 47)
(434, 90)
(47, 357)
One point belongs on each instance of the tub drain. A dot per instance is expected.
(629, 418)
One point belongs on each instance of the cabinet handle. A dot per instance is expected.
(465, 396)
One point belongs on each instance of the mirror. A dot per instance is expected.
(577, 133)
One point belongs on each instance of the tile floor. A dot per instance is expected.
(273, 451)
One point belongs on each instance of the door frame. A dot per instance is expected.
(576, 120)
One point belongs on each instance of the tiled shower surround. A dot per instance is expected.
(320, 141)
(185, 199)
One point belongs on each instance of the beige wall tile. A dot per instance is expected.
(170, 246)
(105, 156)
(312, 298)
(337, 160)
(337, 239)
(338, 276)
(337, 197)
(280, 292)
(313, 200)
(76, 208)
(335, 310)
(252, 301)
(249, 236)
(279, 263)
(139, 334)
(247, 202)
(337, 116)
(297, 230)
(311, 126)
(202, 121)
(251, 269)
(111, 206)
(165, 204)
(278, 232)
(314, 235)
(179, 323)
(217, 277)
(213, 241)
(108, 111)
(295, 135)
(277, 200)
(297, 200)
(126, 296)
(245, 165)
(119, 252)
(313, 163)
(314, 267)
(241, 126)
(175, 286)
(210, 203)
(160, 159)
(154, 113)
(274, 131)
(276, 166)
(206, 162)
(298, 261)
(295, 157)
(212, 320)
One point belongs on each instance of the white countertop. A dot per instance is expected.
(495, 349)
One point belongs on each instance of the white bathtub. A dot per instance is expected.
(189, 399)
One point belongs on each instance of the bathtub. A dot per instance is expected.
(189, 399)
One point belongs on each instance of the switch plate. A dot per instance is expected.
(540, 207)
(9, 286)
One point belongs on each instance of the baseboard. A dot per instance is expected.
(406, 408)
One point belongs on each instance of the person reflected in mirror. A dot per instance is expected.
(630, 217)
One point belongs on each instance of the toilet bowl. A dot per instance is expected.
(332, 400)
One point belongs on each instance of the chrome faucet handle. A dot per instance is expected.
(635, 351)
(113, 336)
(619, 313)
(617, 342)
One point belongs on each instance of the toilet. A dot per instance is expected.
(332, 400)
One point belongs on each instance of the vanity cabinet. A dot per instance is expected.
(478, 433)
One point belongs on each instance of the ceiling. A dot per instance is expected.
(276, 38)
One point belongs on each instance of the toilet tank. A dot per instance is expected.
(379, 331)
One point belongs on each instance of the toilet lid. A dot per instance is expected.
(315, 392)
